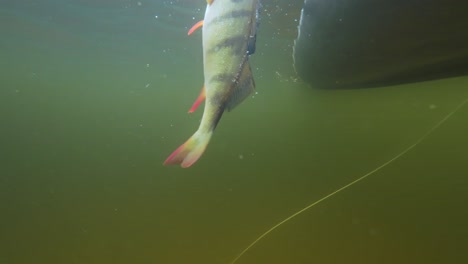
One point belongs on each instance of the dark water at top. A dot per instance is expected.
(94, 96)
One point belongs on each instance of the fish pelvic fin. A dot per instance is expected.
(189, 152)
(197, 25)
(244, 86)
(199, 100)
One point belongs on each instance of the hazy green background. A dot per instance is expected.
(94, 96)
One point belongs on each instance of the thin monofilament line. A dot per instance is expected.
(355, 181)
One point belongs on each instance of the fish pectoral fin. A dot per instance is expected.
(209, 2)
(245, 85)
(254, 22)
(199, 100)
(197, 25)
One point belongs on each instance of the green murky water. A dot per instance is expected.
(94, 96)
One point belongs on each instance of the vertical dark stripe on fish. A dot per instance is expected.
(217, 116)
(235, 42)
(226, 79)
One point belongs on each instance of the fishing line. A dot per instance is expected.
(353, 182)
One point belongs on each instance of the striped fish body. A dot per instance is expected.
(228, 38)
(229, 32)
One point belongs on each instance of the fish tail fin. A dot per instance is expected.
(189, 152)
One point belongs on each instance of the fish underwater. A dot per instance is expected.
(229, 32)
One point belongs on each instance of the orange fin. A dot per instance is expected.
(209, 2)
(199, 24)
(187, 154)
(199, 100)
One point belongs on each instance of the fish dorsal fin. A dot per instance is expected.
(251, 43)
(244, 86)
